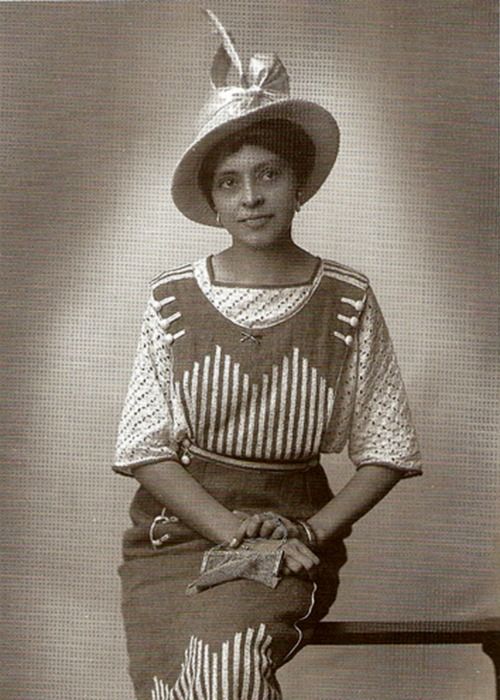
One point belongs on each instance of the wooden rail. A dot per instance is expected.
(483, 632)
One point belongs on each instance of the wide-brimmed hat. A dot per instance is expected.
(262, 93)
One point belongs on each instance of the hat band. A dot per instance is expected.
(237, 101)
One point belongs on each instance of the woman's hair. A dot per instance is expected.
(281, 136)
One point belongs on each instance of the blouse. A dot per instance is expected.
(313, 361)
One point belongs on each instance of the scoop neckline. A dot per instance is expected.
(309, 283)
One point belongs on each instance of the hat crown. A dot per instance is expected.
(264, 82)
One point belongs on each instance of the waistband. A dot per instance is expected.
(191, 449)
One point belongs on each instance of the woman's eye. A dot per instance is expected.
(226, 183)
(270, 174)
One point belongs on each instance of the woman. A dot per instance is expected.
(251, 363)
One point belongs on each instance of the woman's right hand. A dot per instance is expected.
(270, 526)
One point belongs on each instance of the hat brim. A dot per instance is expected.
(316, 121)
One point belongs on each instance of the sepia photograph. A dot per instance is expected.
(250, 425)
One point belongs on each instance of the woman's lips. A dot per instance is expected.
(257, 221)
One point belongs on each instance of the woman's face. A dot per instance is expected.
(254, 193)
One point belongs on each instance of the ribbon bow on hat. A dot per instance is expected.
(260, 93)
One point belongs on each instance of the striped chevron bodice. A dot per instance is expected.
(265, 394)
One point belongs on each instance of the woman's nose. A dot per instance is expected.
(251, 196)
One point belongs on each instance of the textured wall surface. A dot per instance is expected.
(98, 102)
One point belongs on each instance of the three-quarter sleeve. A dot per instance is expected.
(147, 431)
(371, 412)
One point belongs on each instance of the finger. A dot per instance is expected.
(295, 568)
(240, 535)
(253, 525)
(292, 529)
(304, 560)
(268, 528)
(293, 565)
(278, 533)
(304, 550)
(241, 514)
(292, 532)
(297, 557)
(286, 522)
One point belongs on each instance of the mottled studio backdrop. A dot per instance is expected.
(98, 101)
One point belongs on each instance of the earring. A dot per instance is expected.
(217, 218)
(298, 197)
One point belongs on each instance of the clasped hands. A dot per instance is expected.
(299, 559)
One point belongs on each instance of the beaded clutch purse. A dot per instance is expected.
(256, 559)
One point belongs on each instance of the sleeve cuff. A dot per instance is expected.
(405, 472)
(128, 469)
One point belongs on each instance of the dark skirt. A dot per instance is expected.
(227, 642)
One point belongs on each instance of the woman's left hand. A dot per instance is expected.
(299, 560)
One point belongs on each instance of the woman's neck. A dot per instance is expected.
(285, 263)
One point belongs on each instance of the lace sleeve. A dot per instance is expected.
(146, 431)
(371, 410)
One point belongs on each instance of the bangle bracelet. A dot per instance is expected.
(310, 534)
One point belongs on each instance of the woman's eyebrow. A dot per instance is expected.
(269, 161)
(257, 166)
(220, 173)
